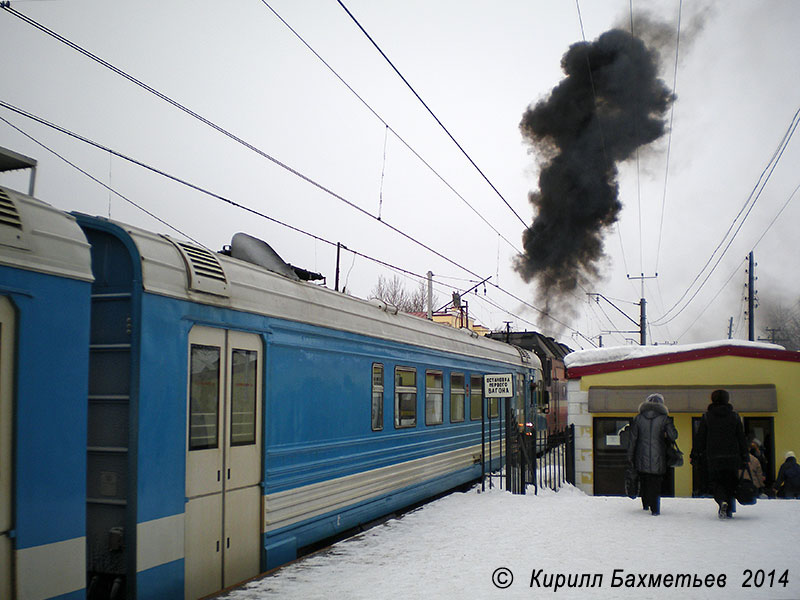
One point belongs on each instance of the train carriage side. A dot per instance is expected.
(263, 414)
(45, 282)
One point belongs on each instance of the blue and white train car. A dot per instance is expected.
(45, 287)
(232, 415)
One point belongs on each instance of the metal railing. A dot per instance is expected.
(539, 458)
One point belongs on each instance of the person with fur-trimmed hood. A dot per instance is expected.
(720, 443)
(647, 451)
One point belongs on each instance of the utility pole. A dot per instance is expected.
(339, 247)
(643, 310)
(772, 337)
(642, 322)
(642, 318)
(430, 295)
(751, 298)
(730, 328)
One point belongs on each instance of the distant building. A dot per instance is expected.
(457, 319)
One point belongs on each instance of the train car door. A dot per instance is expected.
(223, 460)
(6, 445)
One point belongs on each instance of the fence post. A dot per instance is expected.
(571, 454)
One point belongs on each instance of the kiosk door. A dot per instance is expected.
(610, 455)
(611, 458)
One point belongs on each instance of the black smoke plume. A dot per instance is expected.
(610, 103)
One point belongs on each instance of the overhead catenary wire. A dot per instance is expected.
(700, 314)
(106, 186)
(176, 180)
(230, 135)
(242, 142)
(599, 126)
(388, 127)
(669, 134)
(766, 230)
(734, 229)
(450, 135)
(253, 211)
(638, 167)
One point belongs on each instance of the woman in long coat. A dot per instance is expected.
(647, 448)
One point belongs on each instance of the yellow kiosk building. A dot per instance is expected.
(606, 386)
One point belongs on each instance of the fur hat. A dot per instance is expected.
(656, 398)
(720, 397)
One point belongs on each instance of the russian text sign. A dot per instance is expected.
(499, 385)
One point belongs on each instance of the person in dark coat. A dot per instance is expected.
(647, 448)
(720, 443)
(787, 485)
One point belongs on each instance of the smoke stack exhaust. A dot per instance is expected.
(610, 103)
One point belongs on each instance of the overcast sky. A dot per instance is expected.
(478, 66)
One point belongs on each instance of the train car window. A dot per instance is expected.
(243, 397)
(457, 395)
(377, 397)
(475, 397)
(405, 397)
(204, 398)
(434, 395)
(543, 397)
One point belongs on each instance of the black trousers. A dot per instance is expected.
(723, 485)
(650, 488)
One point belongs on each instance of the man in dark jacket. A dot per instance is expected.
(720, 443)
(787, 484)
(647, 448)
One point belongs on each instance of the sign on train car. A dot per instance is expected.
(498, 385)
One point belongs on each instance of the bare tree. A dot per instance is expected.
(392, 292)
(782, 324)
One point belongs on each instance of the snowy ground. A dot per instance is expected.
(452, 548)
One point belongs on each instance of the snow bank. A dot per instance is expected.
(596, 356)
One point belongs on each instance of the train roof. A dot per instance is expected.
(540, 344)
(183, 270)
(37, 237)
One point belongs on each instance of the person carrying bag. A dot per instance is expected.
(647, 449)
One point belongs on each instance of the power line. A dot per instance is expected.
(700, 314)
(638, 167)
(242, 142)
(600, 126)
(413, 91)
(96, 180)
(669, 134)
(774, 220)
(176, 180)
(785, 204)
(227, 133)
(221, 198)
(750, 202)
(388, 127)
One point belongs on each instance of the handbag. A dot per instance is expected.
(673, 454)
(746, 492)
(631, 482)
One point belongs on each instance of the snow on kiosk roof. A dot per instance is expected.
(620, 358)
